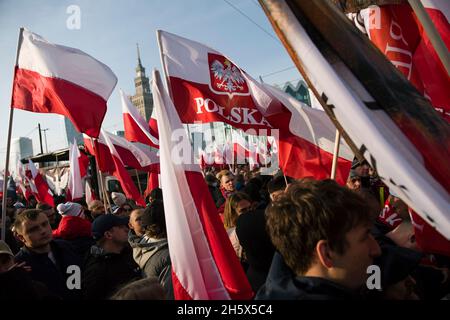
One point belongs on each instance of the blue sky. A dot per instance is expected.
(109, 32)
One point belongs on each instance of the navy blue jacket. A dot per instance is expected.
(282, 284)
(51, 275)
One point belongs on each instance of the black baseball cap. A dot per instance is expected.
(105, 222)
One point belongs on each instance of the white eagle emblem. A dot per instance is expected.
(228, 77)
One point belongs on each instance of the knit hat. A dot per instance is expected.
(118, 198)
(70, 209)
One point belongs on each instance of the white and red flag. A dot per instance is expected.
(133, 155)
(393, 126)
(136, 129)
(88, 193)
(206, 86)
(51, 78)
(396, 31)
(204, 264)
(75, 184)
(39, 186)
(120, 172)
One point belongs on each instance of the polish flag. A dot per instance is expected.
(204, 264)
(133, 155)
(398, 33)
(39, 186)
(51, 78)
(206, 86)
(136, 129)
(120, 172)
(89, 195)
(152, 182)
(75, 184)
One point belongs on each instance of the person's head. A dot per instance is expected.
(277, 185)
(362, 168)
(211, 180)
(32, 202)
(396, 265)
(126, 210)
(97, 208)
(144, 289)
(322, 229)
(226, 180)
(110, 231)
(6, 257)
(403, 235)
(135, 223)
(237, 204)
(354, 181)
(70, 209)
(118, 198)
(155, 194)
(153, 220)
(33, 229)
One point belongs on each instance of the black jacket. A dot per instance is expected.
(104, 273)
(51, 275)
(282, 284)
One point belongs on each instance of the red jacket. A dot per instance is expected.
(73, 227)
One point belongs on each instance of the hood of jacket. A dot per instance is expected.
(145, 247)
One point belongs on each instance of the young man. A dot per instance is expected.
(49, 259)
(322, 233)
(110, 263)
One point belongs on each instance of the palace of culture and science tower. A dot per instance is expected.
(142, 100)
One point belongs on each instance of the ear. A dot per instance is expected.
(412, 238)
(108, 235)
(20, 237)
(323, 254)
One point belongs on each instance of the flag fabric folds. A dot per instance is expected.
(120, 172)
(394, 127)
(136, 129)
(51, 78)
(396, 31)
(206, 86)
(204, 264)
(39, 186)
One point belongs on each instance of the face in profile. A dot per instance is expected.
(350, 268)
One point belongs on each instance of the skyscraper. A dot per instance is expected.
(21, 147)
(143, 99)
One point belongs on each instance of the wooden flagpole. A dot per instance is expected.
(337, 143)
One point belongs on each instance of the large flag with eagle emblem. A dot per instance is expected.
(206, 86)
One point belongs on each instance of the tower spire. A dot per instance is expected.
(139, 55)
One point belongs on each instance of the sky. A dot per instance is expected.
(109, 31)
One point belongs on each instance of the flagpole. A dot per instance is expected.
(102, 193)
(8, 143)
(138, 181)
(295, 58)
(337, 143)
(432, 33)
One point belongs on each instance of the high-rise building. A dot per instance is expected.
(119, 133)
(20, 148)
(72, 133)
(143, 99)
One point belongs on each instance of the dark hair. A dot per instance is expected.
(278, 183)
(43, 206)
(310, 211)
(154, 221)
(144, 289)
(156, 194)
(29, 214)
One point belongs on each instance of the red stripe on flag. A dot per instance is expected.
(36, 93)
(231, 272)
(134, 133)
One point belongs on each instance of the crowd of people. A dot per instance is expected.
(296, 239)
